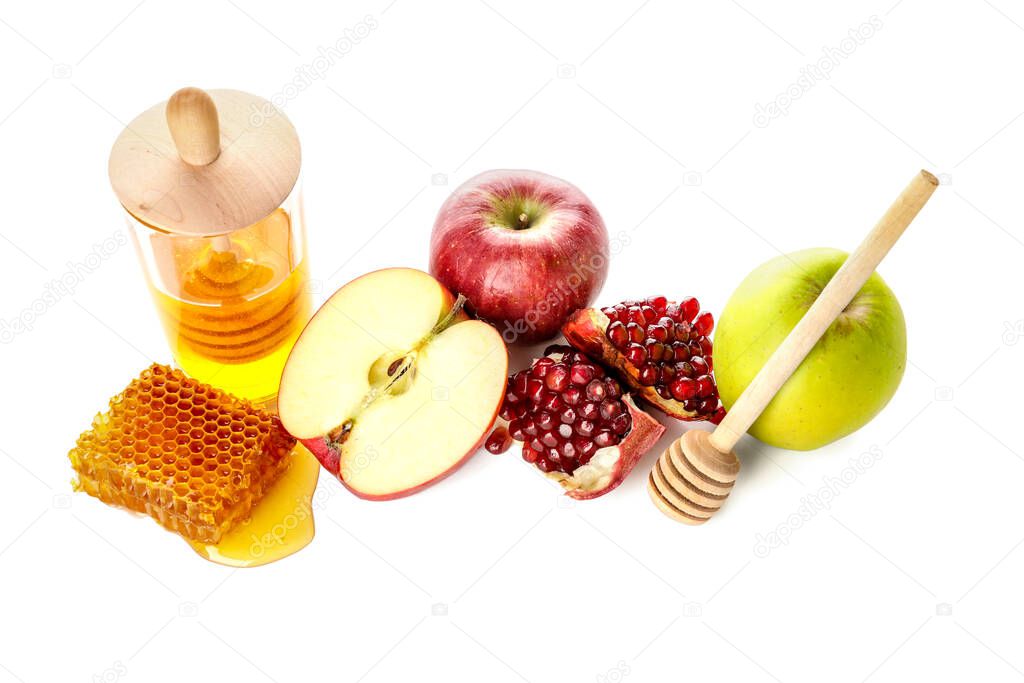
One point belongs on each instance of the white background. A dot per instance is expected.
(652, 115)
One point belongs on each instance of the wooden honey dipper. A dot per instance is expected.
(692, 479)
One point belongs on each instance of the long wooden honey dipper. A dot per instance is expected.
(692, 479)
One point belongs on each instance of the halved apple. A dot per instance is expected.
(390, 386)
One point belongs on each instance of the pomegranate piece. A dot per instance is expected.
(659, 348)
(579, 428)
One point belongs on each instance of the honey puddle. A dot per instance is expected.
(280, 524)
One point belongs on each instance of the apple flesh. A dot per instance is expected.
(846, 379)
(390, 386)
(526, 249)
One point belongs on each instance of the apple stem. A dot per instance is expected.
(445, 322)
(524, 221)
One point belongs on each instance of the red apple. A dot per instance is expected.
(390, 386)
(527, 249)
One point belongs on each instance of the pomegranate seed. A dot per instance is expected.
(621, 424)
(682, 331)
(688, 308)
(666, 373)
(636, 316)
(535, 390)
(604, 438)
(680, 351)
(568, 452)
(596, 390)
(650, 315)
(655, 351)
(586, 450)
(540, 367)
(549, 439)
(557, 378)
(617, 334)
(552, 402)
(564, 431)
(658, 303)
(609, 312)
(521, 410)
(515, 430)
(568, 416)
(529, 455)
(710, 362)
(648, 375)
(610, 409)
(536, 445)
(717, 416)
(705, 386)
(511, 398)
(507, 411)
(572, 396)
(529, 426)
(708, 405)
(612, 388)
(544, 465)
(519, 382)
(700, 366)
(657, 332)
(704, 323)
(585, 428)
(673, 312)
(545, 421)
(690, 405)
(636, 354)
(589, 411)
(683, 388)
(499, 441)
(705, 346)
(684, 369)
(581, 373)
(636, 333)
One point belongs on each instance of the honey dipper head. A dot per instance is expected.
(692, 479)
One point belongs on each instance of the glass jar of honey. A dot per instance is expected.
(210, 184)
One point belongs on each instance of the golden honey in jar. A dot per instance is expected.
(210, 183)
(233, 305)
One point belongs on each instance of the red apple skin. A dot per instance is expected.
(525, 282)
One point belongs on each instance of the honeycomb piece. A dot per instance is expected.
(192, 457)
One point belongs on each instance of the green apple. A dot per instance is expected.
(846, 379)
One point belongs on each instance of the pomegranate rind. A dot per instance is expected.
(611, 465)
(585, 330)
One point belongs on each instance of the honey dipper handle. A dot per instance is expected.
(195, 127)
(836, 295)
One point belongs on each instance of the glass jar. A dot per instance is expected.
(209, 181)
(232, 305)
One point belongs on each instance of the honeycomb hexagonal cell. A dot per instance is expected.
(165, 456)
